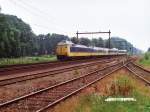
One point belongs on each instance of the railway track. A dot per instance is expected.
(40, 63)
(16, 79)
(139, 72)
(14, 69)
(41, 100)
(11, 90)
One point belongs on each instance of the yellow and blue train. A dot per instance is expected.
(67, 50)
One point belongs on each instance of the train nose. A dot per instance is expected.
(61, 50)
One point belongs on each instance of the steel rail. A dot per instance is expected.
(21, 66)
(44, 74)
(139, 66)
(135, 66)
(78, 90)
(136, 74)
(61, 84)
(35, 65)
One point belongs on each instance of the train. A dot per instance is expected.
(66, 50)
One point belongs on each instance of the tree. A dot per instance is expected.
(146, 56)
(100, 42)
(85, 41)
(107, 44)
(47, 43)
(94, 42)
(74, 40)
(16, 37)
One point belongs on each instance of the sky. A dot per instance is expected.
(128, 19)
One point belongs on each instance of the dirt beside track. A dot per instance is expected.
(99, 88)
(18, 89)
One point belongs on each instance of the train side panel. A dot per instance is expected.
(75, 51)
(67, 51)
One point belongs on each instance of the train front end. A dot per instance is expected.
(62, 50)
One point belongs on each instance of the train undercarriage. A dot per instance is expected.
(64, 58)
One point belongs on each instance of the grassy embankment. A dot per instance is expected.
(26, 60)
(145, 60)
(122, 87)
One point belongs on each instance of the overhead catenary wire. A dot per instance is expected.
(36, 14)
(42, 12)
(28, 13)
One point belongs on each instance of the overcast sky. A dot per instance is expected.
(129, 19)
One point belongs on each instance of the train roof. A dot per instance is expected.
(78, 45)
(100, 48)
(113, 49)
(65, 42)
(123, 50)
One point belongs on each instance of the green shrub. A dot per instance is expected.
(145, 60)
(97, 103)
(146, 56)
(37, 59)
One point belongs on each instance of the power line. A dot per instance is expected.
(32, 7)
(31, 12)
(37, 25)
(40, 26)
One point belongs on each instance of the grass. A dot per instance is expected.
(122, 87)
(26, 60)
(145, 60)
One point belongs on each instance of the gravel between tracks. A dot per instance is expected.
(23, 105)
(99, 88)
(140, 71)
(21, 88)
(45, 68)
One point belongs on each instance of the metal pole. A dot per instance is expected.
(77, 37)
(132, 50)
(109, 39)
(77, 34)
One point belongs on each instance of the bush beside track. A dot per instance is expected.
(145, 60)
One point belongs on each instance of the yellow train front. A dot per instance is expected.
(67, 50)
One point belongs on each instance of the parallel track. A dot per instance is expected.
(47, 73)
(32, 67)
(13, 69)
(43, 99)
(43, 64)
(139, 72)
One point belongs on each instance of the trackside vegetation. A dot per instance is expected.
(27, 60)
(122, 87)
(145, 60)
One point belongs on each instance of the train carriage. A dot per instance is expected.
(68, 50)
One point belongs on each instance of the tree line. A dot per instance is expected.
(17, 39)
